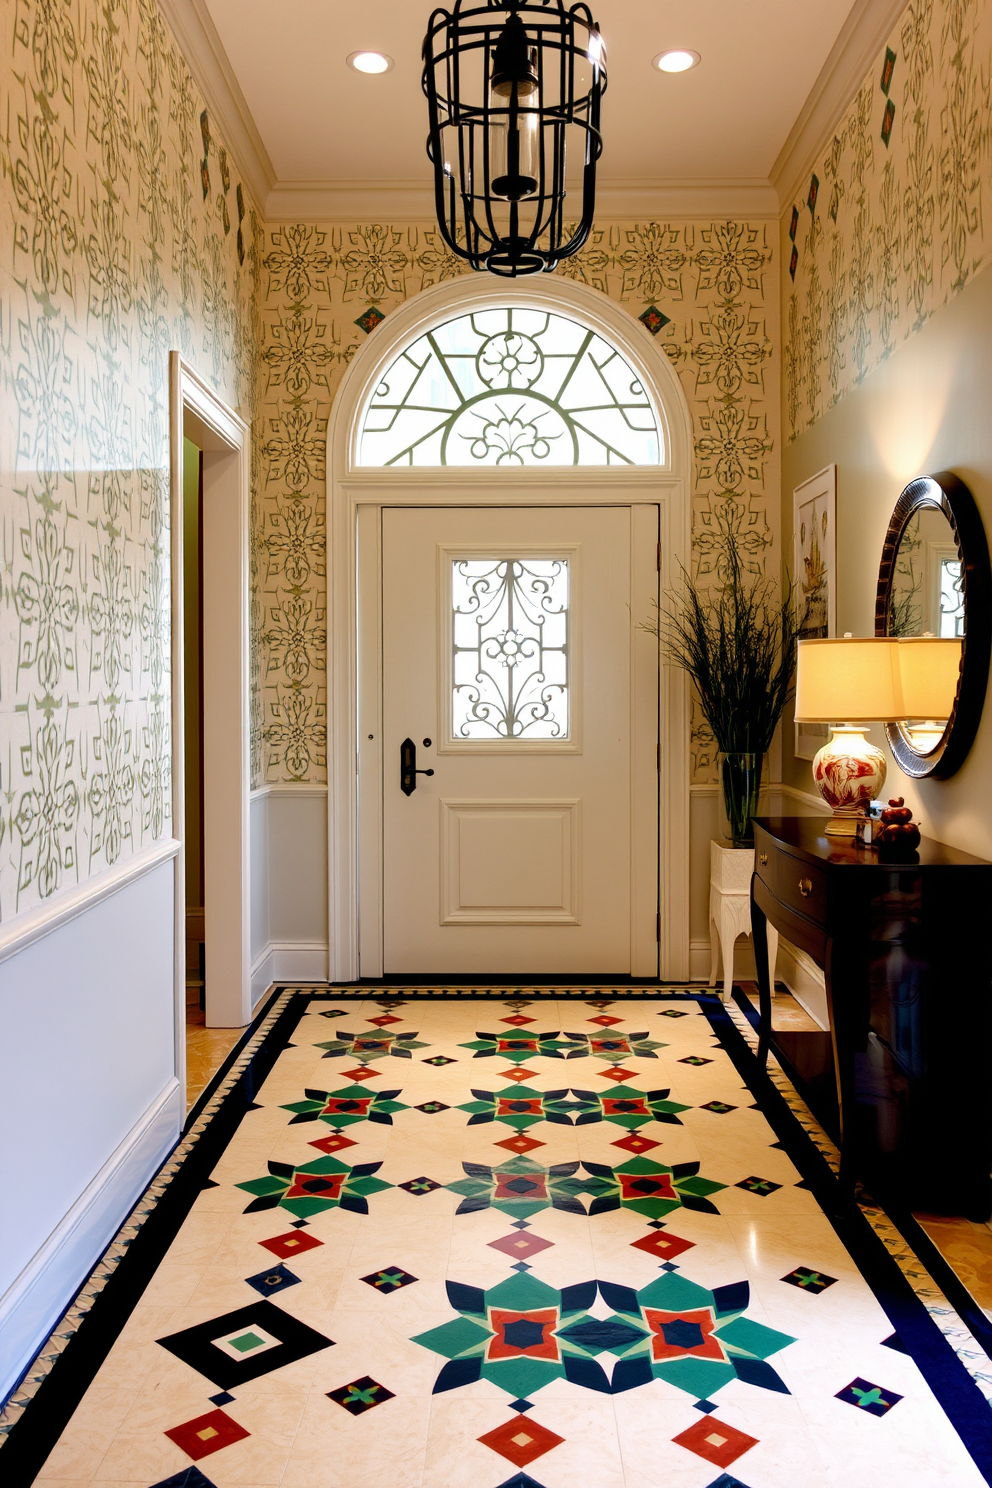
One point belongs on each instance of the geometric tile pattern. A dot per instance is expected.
(390, 1279)
(204, 1435)
(716, 1441)
(520, 1046)
(813, 1282)
(243, 1345)
(869, 1397)
(340, 1108)
(361, 1395)
(523, 1107)
(521, 1443)
(322, 1184)
(521, 1188)
(369, 1046)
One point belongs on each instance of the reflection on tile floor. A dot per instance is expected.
(467, 1244)
(206, 1050)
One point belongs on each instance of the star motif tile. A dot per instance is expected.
(521, 1247)
(634, 1142)
(206, 1434)
(520, 1143)
(419, 1186)
(245, 1344)
(760, 1186)
(715, 1441)
(869, 1397)
(390, 1279)
(810, 1281)
(361, 1395)
(521, 1441)
(663, 1245)
(293, 1244)
(616, 1073)
(276, 1279)
(333, 1143)
(604, 1021)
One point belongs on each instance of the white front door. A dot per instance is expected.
(513, 662)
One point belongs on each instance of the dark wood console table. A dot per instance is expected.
(903, 1079)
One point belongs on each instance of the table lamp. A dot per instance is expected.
(929, 667)
(849, 678)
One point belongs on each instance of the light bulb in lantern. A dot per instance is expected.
(514, 134)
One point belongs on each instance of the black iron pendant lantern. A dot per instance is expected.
(514, 90)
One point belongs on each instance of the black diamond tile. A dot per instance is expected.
(809, 1281)
(719, 1107)
(187, 1477)
(439, 1059)
(276, 1279)
(224, 1398)
(361, 1395)
(760, 1186)
(432, 1107)
(245, 1344)
(389, 1279)
(419, 1186)
(695, 1059)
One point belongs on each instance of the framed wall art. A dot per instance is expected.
(814, 522)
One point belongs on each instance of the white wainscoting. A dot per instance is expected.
(289, 886)
(90, 1098)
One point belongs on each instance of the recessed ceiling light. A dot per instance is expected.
(679, 59)
(370, 62)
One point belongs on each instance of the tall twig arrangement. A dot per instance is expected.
(738, 644)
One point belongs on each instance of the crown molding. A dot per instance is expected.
(851, 57)
(203, 50)
(618, 200)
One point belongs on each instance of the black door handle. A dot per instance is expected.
(408, 767)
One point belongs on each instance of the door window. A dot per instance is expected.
(509, 648)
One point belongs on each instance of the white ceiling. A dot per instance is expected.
(728, 119)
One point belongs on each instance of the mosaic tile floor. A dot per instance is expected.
(526, 1243)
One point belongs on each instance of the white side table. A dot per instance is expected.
(730, 911)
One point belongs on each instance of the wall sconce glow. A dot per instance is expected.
(370, 62)
(679, 59)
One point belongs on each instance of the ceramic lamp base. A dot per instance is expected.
(849, 773)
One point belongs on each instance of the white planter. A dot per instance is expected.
(730, 911)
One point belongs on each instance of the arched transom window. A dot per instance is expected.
(510, 386)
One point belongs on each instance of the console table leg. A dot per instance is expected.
(759, 936)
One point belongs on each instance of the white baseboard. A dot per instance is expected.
(804, 980)
(289, 961)
(33, 1303)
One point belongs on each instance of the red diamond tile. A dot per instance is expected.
(206, 1434)
(518, 1020)
(333, 1143)
(521, 1247)
(521, 1074)
(362, 1072)
(666, 1247)
(383, 1019)
(520, 1144)
(521, 1440)
(715, 1441)
(604, 1021)
(293, 1243)
(632, 1142)
(616, 1073)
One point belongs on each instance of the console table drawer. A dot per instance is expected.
(800, 887)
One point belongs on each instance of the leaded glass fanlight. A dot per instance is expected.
(510, 386)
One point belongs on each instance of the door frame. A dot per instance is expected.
(196, 412)
(356, 496)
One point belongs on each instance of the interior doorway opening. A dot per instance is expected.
(210, 448)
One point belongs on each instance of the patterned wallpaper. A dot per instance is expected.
(707, 290)
(891, 224)
(124, 232)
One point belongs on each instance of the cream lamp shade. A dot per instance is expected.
(844, 678)
(929, 668)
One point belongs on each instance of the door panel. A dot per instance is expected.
(509, 656)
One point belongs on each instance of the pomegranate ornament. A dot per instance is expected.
(899, 835)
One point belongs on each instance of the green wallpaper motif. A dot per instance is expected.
(891, 224)
(715, 289)
(124, 233)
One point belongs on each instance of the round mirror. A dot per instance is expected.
(933, 594)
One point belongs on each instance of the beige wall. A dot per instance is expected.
(928, 408)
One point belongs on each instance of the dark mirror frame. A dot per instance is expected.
(951, 496)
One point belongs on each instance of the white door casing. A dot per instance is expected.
(529, 855)
(356, 496)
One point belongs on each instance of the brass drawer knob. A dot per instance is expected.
(805, 887)
(763, 859)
